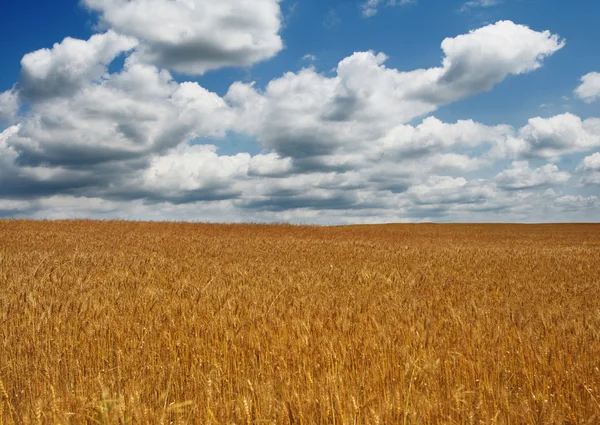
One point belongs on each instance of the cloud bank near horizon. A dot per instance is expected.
(356, 145)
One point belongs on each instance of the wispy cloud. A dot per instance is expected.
(369, 8)
(474, 4)
(332, 19)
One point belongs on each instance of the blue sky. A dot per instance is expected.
(283, 111)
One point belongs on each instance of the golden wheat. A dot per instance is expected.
(141, 323)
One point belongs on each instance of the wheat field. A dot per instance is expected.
(157, 323)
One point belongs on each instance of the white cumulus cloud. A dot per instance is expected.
(69, 65)
(520, 176)
(334, 148)
(307, 114)
(589, 89)
(552, 137)
(9, 106)
(590, 169)
(194, 36)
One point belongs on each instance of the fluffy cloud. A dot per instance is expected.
(7, 154)
(589, 89)
(434, 136)
(191, 173)
(136, 143)
(590, 169)
(133, 114)
(193, 36)
(338, 123)
(314, 191)
(24, 182)
(552, 137)
(479, 60)
(9, 106)
(70, 65)
(447, 190)
(591, 163)
(269, 165)
(102, 137)
(578, 204)
(520, 176)
(308, 115)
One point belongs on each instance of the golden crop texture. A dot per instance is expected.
(174, 323)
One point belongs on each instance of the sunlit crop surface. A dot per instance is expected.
(135, 323)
